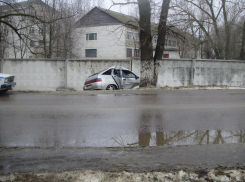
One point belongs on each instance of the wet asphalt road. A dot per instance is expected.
(122, 118)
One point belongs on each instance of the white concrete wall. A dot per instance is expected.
(183, 72)
(50, 75)
(36, 75)
(220, 73)
(136, 66)
(110, 43)
(174, 73)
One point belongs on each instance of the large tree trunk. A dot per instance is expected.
(227, 32)
(242, 55)
(162, 29)
(51, 32)
(147, 63)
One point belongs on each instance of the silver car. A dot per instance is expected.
(116, 77)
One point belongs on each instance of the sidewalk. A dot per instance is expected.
(183, 161)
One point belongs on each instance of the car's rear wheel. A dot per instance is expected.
(111, 87)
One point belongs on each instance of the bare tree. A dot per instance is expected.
(215, 19)
(162, 30)
(242, 54)
(147, 64)
(148, 71)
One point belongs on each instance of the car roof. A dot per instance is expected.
(118, 67)
(5, 75)
(113, 67)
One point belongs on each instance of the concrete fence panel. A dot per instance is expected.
(135, 66)
(181, 72)
(37, 75)
(174, 73)
(55, 74)
(220, 73)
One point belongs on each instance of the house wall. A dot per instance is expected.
(21, 48)
(110, 43)
(17, 48)
(51, 74)
(132, 41)
(172, 54)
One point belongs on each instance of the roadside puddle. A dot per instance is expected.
(179, 138)
(154, 139)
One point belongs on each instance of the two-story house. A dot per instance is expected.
(106, 34)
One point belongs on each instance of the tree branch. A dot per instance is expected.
(122, 4)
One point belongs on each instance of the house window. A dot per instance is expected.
(166, 42)
(91, 52)
(129, 52)
(91, 36)
(32, 43)
(129, 35)
(169, 42)
(136, 53)
(32, 30)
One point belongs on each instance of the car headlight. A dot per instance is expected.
(5, 80)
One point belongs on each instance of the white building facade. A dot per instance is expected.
(105, 34)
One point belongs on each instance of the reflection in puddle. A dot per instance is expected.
(176, 138)
(60, 138)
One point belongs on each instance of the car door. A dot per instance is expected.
(117, 77)
(129, 80)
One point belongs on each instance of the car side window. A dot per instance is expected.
(108, 72)
(117, 72)
(128, 74)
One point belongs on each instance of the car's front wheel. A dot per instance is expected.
(3, 91)
(111, 87)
